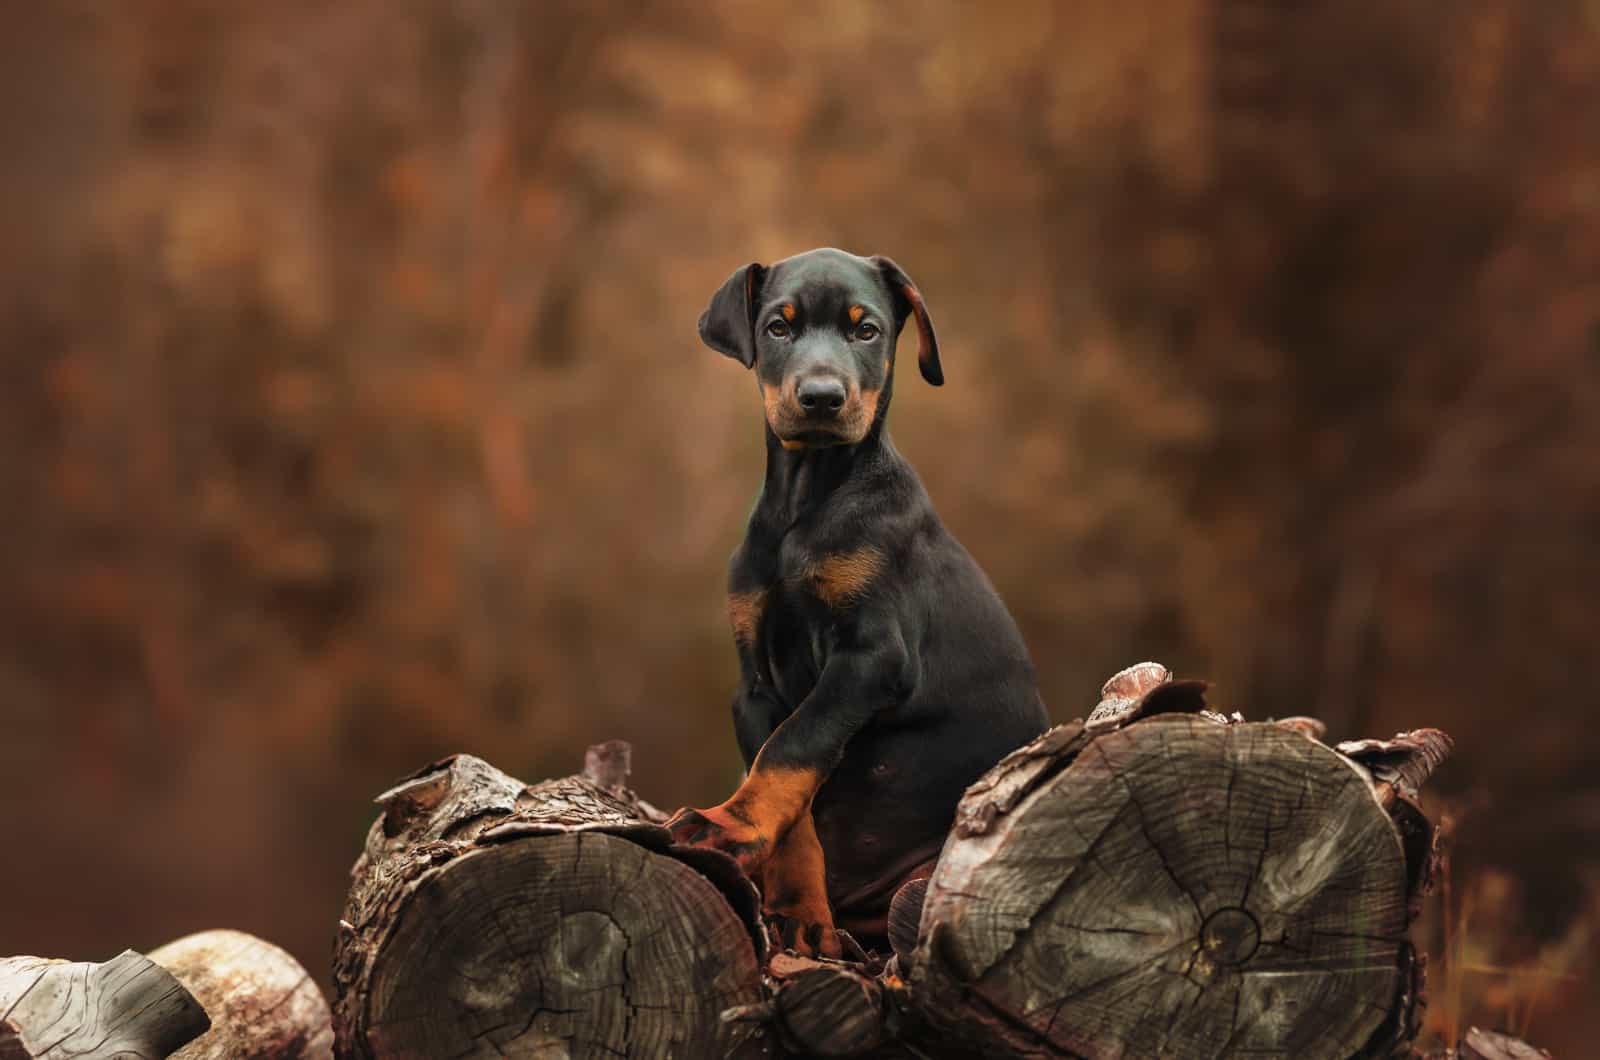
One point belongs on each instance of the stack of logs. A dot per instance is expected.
(1157, 880)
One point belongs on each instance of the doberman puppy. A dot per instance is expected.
(880, 674)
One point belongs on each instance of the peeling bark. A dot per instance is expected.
(491, 918)
(1401, 765)
(128, 1007)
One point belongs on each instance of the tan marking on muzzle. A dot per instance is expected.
(850, 426)
(772, 402)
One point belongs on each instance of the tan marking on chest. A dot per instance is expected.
(838, 578)
(744, 614)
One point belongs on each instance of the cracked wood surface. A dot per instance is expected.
(127, 1007)
(263, 1004)
(492, 918)
(1177, 888)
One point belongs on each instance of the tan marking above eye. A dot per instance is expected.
(788, 311)
(856, 313)
(841, 577)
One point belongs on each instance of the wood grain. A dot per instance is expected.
(1181, 888)
(127, 1007)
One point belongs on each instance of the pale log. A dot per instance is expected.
(127, 1007)
(263, 1004)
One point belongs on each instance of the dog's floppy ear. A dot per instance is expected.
(908, 300)
(728, 324)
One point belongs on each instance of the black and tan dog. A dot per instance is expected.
(880, 673)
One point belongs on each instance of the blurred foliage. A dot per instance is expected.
(351, 410)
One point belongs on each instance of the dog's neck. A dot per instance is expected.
(800, 481)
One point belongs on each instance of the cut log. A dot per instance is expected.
(490, 918)
(828, 1009)
(1177, 887)
(263, 1004)
(127, 1007)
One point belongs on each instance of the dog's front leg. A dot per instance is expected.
(868, 669)
(794, 893)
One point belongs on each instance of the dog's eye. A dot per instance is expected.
(778, 329)
(867, 332)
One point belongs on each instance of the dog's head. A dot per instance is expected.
(820, 329)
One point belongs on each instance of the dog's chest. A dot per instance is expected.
(793, 631)
(795, 556)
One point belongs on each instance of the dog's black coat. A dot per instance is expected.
(877, 654)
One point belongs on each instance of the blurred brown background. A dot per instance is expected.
(352, 413)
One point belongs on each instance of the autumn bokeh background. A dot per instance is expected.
(352, 413)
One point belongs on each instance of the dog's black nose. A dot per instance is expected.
(822, 397)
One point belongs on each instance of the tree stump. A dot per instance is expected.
(490, 918)
(127, 1007)
(263, 1004)
(1161, 881)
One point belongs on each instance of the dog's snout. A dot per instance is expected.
(821, 396)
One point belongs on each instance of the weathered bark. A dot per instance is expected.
(1176, 885)
(1401, 765)
(490, 918)
(127, 1007)
(263, 1004)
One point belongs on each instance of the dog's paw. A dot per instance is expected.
(718, 829)
(804, 935)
